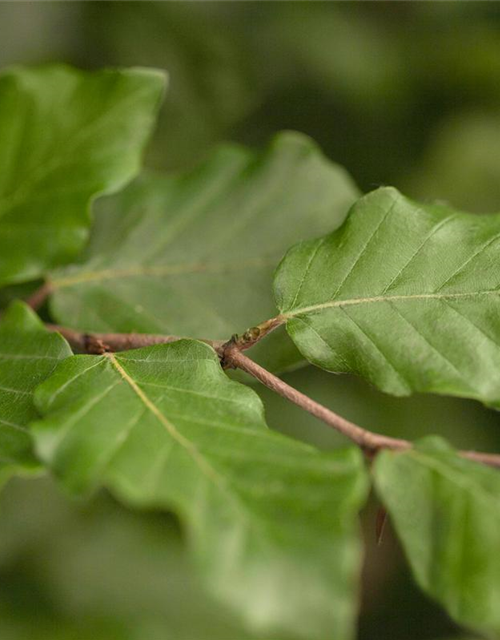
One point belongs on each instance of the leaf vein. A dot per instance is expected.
(186, 444)
(365, 247)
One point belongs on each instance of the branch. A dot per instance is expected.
(370, 442)
(100, 342)
(231, 355)
(367, 440)
(97, 343)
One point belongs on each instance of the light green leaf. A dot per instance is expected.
(67, 136)
(193, 255)
(405, 295)
(446, 511)
(165, 427)
(28, 355)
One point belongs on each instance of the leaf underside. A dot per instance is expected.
(165, 427)
(193, 255)
(446, 511)
(67, 136)
(28, 355)
(405, 295)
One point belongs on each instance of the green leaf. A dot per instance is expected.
(67, 137)
(28, 355)
(165, 427)
(193, 255)
(446, 511)
(405, 295)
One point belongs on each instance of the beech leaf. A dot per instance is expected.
(403, 294)
(193, 255)
(67, 136)
(273, 522)
(28, 355)
(446, 511)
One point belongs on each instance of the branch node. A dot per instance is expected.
(225, 351)
(256, 333)
(94, 345)
(231, 357)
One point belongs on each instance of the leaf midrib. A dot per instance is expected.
(250, 517)
(332, 304)
(160, 271)
(181, 440)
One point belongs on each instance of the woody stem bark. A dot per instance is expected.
(231, 356)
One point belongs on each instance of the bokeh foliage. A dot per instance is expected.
(405, 94)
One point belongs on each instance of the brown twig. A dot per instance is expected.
(367, 440)
(231, 355)
(255, 334)
(370, 442)
(490, 459)
(99, 342)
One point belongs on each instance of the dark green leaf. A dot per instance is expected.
(67, 136)
(446, 511)
(402, 294)
(194, 255)
(164, 426)
(28, 355)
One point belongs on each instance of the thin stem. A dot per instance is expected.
(257, 333)
(367, 440)
(491, 459)
(231, 356)
(370, 442)
(101, 342)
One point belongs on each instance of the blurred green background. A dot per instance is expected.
(400, 93)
